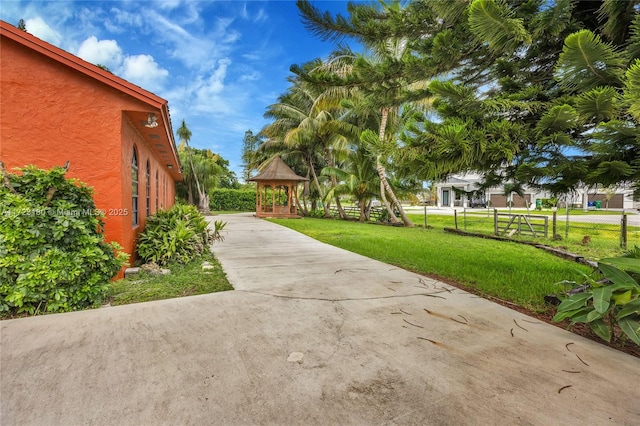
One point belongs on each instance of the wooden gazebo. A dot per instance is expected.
(277, 194)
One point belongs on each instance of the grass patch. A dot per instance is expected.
(562, 212)
(184, 280)
(604, 238)
(513, 272)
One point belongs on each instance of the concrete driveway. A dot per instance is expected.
(311, 335)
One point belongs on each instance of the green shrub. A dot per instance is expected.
(179, 234)
(218, 227)
(548, 203)
(53, 256)
(233, 199)
(605, 304)
(318, 213)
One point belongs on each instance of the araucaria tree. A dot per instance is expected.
(543, 93)
(539, 93)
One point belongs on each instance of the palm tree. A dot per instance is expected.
(203, 197)
(357, 176)
(380, 76)
(302, 126)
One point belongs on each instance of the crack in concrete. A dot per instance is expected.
(346, 299)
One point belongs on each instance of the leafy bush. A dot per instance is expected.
(318, 213)
(233, 199)
(53, 256)
(218, 227)
(548, 203)
(179, 234)
(605, 304)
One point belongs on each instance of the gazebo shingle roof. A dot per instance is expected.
(277, 170)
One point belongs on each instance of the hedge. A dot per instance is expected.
(233, 199)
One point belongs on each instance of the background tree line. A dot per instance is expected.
(540, 93)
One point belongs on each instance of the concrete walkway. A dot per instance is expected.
(312, 335)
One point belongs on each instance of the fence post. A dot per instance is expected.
(455, 217)
(555, 224)
(623, 231)
(495, 221)
(425, 215)
(464, 217)
(566, 225)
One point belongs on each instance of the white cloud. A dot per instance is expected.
(118, 20)
(261, 16)
(208, 90)
(252, 75)
(144, 71)
(194, 51)
(39, 28)
(104, 52)
(223, 32)
(167, 4)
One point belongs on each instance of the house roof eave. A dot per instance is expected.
(155, 102)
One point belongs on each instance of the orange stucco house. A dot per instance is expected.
(55, 107)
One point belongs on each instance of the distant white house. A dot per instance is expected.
(463, 191)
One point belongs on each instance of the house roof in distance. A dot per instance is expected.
(277, 169)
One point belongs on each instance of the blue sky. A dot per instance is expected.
(218, 63)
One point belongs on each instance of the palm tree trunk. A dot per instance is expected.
(334, 183)
(363, 211)
(300, 209)
(204, 204)
(203, 198)
(384, 183)
(341, 213)
(305, 192)
(190, 193)
(383, 198)
(317, 182)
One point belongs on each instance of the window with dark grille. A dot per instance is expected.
(148, 188)
(134, 187)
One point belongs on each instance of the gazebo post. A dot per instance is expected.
(258, 197)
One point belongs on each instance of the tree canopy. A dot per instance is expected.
(544, 93)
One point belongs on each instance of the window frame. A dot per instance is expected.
(135, 219)
(148, 188)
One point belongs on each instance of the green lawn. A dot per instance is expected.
(562, 212)
(513, 272)
(604, 239)
(184, 280)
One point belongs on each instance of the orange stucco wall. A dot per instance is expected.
(164, 191)
(50, 113)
